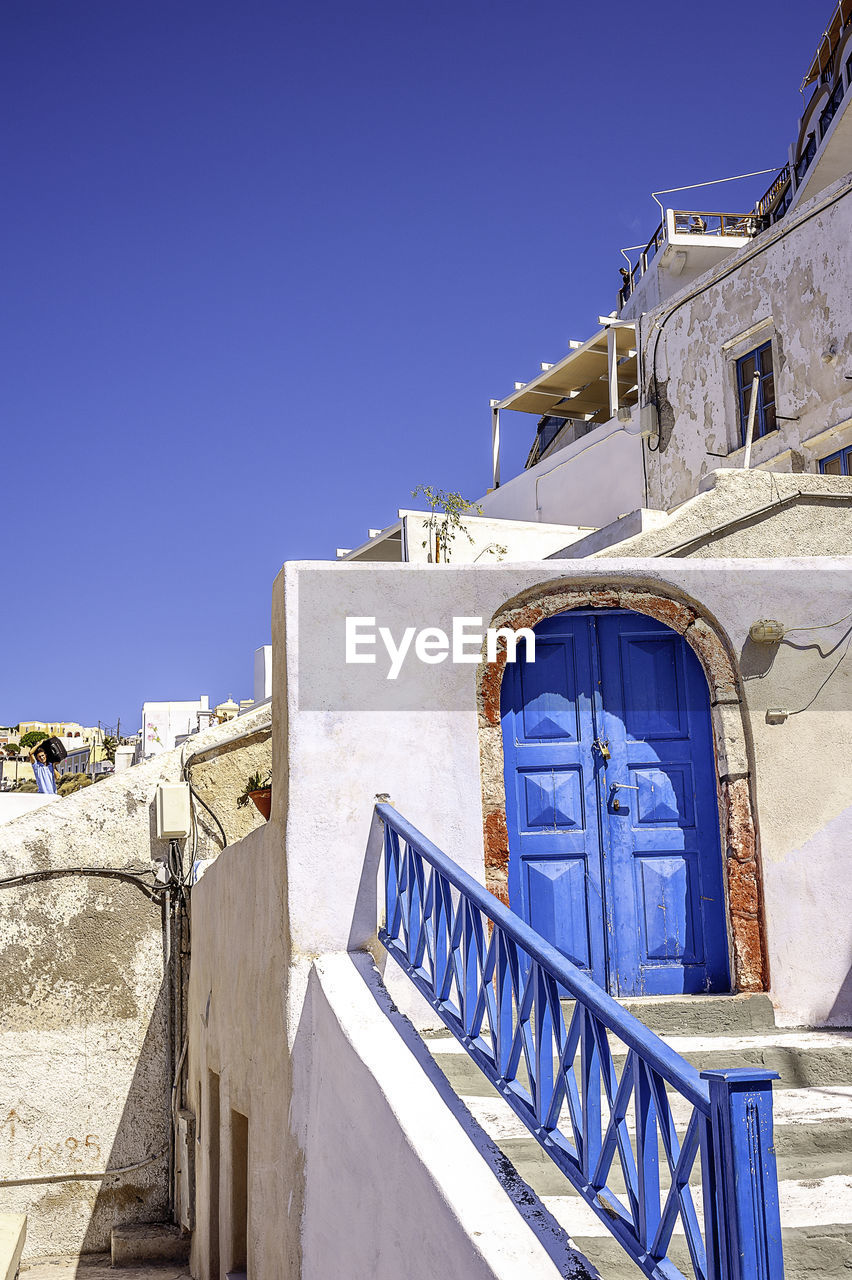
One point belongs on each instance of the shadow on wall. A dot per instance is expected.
(86, 1082)
(840, 1014)
(756, 659)
(136, 1185)
(363, 930)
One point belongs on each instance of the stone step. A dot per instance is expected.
(98, 1267)
(801, 1058)
(810, 1253)
(805, 1119)
(154, 1242)
(813, 1136)
(703, 1015)
(816, 1218)
(535, 1166)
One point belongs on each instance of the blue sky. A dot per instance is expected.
(264, 264)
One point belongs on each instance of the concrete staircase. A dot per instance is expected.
(813, 1127)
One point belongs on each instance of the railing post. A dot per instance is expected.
(746, 1220)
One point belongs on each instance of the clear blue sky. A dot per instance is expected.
(264, 264)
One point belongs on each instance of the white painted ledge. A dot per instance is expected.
(13, 1233)
(399, 1178)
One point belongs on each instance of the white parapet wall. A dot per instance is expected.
(590, 482)
(13, 1233)
(14, 804)
(417, 1188)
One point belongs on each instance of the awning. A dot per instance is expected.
(593, 381)
(828, 43)
(580, 383)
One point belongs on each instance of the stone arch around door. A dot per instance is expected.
(738, 834)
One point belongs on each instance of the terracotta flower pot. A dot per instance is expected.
(262, 801)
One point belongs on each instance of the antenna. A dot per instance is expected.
(693, 186)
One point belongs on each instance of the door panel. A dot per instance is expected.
(663, 847)
(617, 863)
(551, 793)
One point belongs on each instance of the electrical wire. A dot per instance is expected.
(820, 687)
(133, 876)
(206, 806)
(823, 626)
(83, 1177)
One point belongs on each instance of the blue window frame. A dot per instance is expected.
(758, 361)
(837, 464)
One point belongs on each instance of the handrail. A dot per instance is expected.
(500, 989)
(633, 1032)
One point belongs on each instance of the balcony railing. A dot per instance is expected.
(831, 108)
(652, 248)
(657, 1124)
(692, 223)
(804, 161)
(773, 195)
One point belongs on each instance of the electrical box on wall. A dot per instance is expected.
(174, 821)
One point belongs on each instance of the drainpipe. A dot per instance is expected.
(752, 407)
(495, 446)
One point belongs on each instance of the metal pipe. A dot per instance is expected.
(752, 406)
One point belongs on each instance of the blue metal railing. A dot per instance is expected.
(501, 989)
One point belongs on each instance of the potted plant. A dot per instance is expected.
(258, 789)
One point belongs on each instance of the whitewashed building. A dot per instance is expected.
(540, 968)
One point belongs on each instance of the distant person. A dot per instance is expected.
(44, 771)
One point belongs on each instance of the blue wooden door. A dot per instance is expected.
(611, 804)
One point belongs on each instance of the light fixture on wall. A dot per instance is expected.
(766, 631)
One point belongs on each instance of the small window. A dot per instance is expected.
(837, 464)
(757, 362)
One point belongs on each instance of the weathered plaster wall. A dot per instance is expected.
(744, 514)
(792, 285)
(220, 772)
(84, 1039)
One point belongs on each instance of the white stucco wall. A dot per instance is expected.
(489, 539)
(164, 722)
(355, 1166)
(14, 804)
(399, 1180)
(349, 735)
(590, 482)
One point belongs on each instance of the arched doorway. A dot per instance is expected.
(611, 803)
